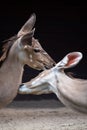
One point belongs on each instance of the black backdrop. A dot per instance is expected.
(60, 27)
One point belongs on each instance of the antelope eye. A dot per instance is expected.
(36, 50)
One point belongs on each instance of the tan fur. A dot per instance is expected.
(18, 51)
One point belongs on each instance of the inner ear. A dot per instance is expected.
(70, 60)
(73, 58)
(27, 39)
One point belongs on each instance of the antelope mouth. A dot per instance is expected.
(49, 66)
(45, 66)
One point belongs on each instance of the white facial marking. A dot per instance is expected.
(30, 58)
(24, 89)
(45, 53)
(25, 47)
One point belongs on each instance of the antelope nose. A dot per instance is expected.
(50, 66)
(53, 64)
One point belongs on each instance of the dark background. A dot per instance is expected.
(61, 28)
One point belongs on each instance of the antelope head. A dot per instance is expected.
(31, 52)
(49, 80)
(28, 49)
(72, 92)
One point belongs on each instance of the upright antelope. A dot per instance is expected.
(19, 50)
(71, 91)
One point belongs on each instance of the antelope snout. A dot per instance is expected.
(50, 65)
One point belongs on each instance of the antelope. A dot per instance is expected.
(71, 91)
(19, 50)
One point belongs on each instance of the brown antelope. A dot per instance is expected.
(19, 50)
(71, 91)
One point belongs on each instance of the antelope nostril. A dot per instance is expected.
(47, 67)
(53, 64)
(21, 85)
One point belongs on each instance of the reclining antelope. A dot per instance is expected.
(19, 50)
(71, 91)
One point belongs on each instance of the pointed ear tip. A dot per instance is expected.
(80, 55)
(34, 15)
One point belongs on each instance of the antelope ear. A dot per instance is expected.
(27, 27)
(27, 39)
(70, 60)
